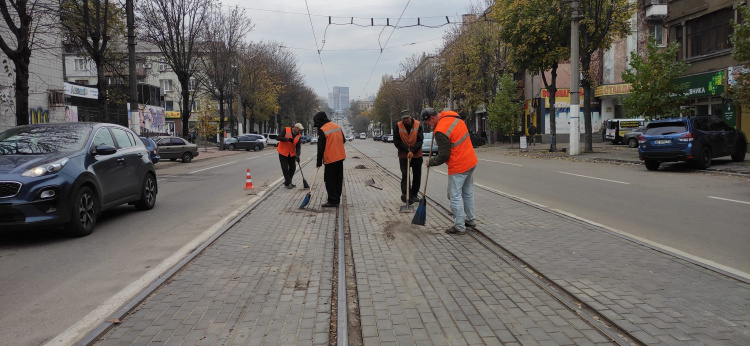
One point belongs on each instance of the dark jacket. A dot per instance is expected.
(401, 146)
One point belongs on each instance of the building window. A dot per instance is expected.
(163, 66)
(195, 105)
(169, 106)
(166, 85)
(80, 64)
(710, 33)
(82, 81)
(657, 32)
(192, 85)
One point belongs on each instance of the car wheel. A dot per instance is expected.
(256, 147)
(231, 147)
(83, 213)
(187, 157)
(739, 152)
(148, 194)
(633, 143)
(651, 165)
(704, 161)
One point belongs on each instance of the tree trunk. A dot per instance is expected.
(221, 120)
(585, 65)
(186, 107)
(22, 90)
(552, 89)
(101, 85)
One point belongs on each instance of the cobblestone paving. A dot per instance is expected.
(418, 285)
(267, 280)
(659, 298)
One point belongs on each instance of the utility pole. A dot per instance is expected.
(575, 112)
(133, 102)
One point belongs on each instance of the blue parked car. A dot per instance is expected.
(153, 151)
(696, 139)
(68, 173)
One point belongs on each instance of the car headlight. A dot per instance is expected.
(49, 168)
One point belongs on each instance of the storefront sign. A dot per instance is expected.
(172, 115)
(615, 89)
(81, 91)
(729, 113)
(707, 84)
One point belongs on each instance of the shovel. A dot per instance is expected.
(407, 208)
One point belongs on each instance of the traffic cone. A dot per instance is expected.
(249, 182)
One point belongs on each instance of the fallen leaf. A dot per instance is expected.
(114, 320)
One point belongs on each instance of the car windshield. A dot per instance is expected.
(40, 140)
(666, 128)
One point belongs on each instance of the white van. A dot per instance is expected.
(617, 128)
(362, 135)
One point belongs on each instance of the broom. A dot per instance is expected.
(306, 200)
(421, 215)
(304, 182)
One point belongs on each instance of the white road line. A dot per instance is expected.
(205, 169)
(727, 199)
(585, 176)
(505, 163)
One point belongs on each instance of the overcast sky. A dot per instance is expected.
(350, 52)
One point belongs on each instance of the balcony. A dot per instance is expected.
(655, 9)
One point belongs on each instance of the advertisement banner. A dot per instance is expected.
(81, 91)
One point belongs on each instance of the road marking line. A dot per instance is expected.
(505, 163)
(201, 170)
(727, 199)
(586, 176)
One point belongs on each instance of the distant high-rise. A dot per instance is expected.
(338, 100)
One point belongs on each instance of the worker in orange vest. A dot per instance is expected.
(455, 149)
(331, 152)
(289, 150)
(408, 138)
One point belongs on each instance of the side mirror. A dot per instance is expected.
(105, 150)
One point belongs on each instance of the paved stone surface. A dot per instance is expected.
(268, 279)
(657, 297)
(419, 285)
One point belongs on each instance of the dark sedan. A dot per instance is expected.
(174, 148)
(68, 173)
(247, 142)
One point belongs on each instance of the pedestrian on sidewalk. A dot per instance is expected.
(532, 133)
(331, 152)
(289, 150)
(455, 149)
(408, 140)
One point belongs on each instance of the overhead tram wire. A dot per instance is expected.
(316, 45)
(383, 47)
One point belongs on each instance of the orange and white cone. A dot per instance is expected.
(249, 182)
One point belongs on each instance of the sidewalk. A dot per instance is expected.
(269, 279)
(606, 152)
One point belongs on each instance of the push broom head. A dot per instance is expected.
(305, 201)
(420, 215)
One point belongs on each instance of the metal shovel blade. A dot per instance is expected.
(406, 209)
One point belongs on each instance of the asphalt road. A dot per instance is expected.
(700, 215)
(48, 282)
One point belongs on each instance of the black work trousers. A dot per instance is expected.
(334, 179)
(288, 167)
(416, 175)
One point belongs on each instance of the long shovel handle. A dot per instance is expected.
(427, 176)
(408, 182)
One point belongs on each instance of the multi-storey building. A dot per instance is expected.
(703, 28)
(46, 101)
(338, 100)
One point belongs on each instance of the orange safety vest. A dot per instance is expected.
(463, 157)
(288, 148)
(409, 137)
(334, 150)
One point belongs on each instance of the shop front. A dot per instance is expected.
(704, 96)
